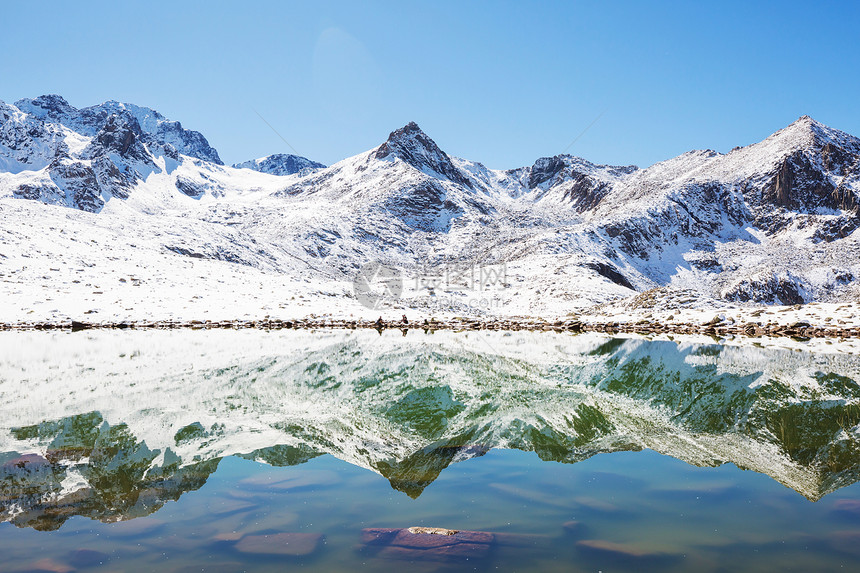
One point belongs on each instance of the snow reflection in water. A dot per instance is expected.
(102, 429)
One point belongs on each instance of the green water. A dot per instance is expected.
(573, 453)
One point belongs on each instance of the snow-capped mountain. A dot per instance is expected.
(112, 425)
(773, 222)
(281, 164)
(81, 158)
(90, 120)
(408, 180)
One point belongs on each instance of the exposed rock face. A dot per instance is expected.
(407, 179)
(424, 207)
(798, 185)
(572, 180)
(190, 187)
(585, 193)
(79, 183)
(611, 273)
(27, 142)
(46, 106)
(813, 183)
(785, 289)
(544, 170)
(781, 188)
(121, 134)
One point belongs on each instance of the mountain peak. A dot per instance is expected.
(551, 170)
(50, 105)
(806, 132)
(409, 128)
(808, 120)
(413, 146)
(409, 136)
(805, 122)
(819, 132)
(281, 164)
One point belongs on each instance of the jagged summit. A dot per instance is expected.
(409, 131)
(808, 123)
(412, 145)
(81, 158)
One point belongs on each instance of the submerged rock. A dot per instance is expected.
(621, 552)
(427, 543)
(430, 539)
(573, 527)
(48, 565)
(88, 558)
(846, 542)
(289, 544)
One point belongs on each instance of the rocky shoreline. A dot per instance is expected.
(716, 327)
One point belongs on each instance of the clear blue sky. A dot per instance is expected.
(499, 82)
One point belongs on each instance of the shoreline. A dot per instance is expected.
(714, 328)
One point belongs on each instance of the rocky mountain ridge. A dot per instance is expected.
(89, 120)
(770, 223)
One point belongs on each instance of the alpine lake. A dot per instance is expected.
(339, 450)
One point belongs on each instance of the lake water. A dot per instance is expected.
(271, 451)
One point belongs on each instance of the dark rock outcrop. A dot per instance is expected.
(611, 273)
(782, 289)
(121, 134)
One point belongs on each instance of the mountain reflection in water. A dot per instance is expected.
(111, 425)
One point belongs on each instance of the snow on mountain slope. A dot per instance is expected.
(773, 222)
(281, 164)
(571, 180)
(680, 222)
(408, 176)
(402, 203)
(734, 225)
(798, 168)
(125, 265)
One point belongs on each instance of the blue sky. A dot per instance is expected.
(498, 82)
